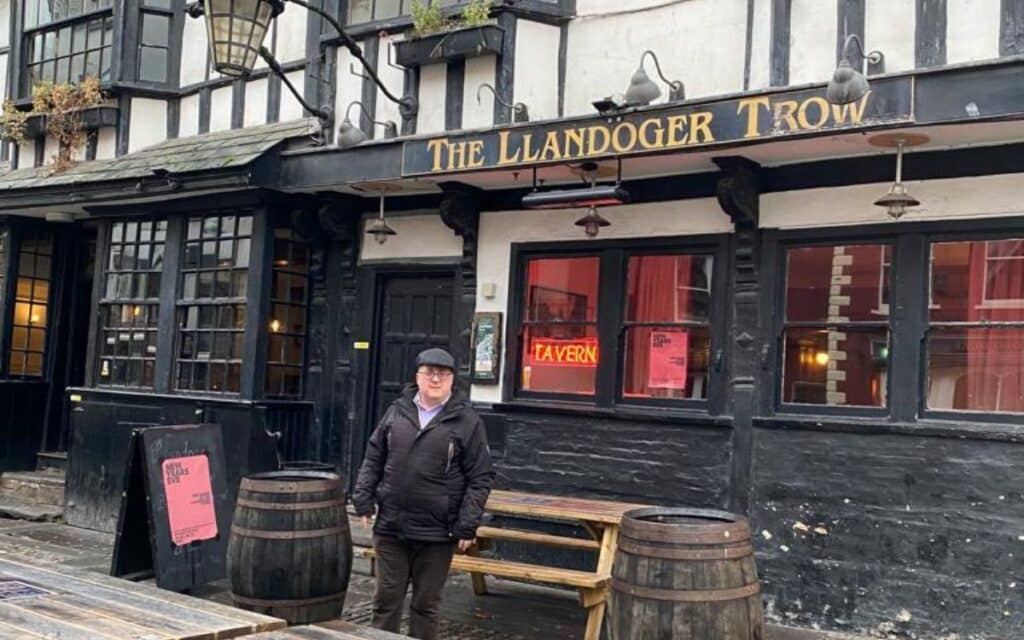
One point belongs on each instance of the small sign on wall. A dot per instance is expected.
(668, 359)
(486, 347)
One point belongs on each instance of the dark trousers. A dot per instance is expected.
(426, 565)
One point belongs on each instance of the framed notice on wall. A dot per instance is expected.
(486, 347)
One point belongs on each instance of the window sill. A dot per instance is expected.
(621, 412)
(964, 429)
(196, 397)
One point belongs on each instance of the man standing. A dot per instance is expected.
(428, 472)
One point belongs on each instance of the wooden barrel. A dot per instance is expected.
(290, 550)
(684, 574)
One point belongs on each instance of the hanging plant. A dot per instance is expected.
(427, 18)
(477, 13)
(60, 106)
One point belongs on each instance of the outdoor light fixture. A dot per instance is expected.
(379, 228)
(592, 196)
(236, 30)
(592, 222)
(897, 200)
(847, 84)
(519, 111)
(643, 91)
(350, 135)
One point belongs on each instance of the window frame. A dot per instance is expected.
(24, 84)
(909, 303)
(778, 337)
(553, 10)
(611, 324)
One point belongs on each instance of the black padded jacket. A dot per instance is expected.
(427, 484)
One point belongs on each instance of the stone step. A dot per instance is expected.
(37, 487)
(22, 510)
(52, 460)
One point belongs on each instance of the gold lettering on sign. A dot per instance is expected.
(854, 110)
(631, 134)
(806, 107)
(476, 154)
(552, 150)
(436, 147)
(574, 137)
(645, 134)
(677, 130)
(529, 153)
(700, 127)
(784, 111)
(753, 108)
(503, 150)
(592, 136)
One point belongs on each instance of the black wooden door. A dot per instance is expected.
(415, 314)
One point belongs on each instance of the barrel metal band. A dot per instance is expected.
(690, 535)
(720, 553)
(286, 535)
(289, 486)
(257, 602)
(674, 595)
(288, 506)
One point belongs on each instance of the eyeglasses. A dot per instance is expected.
(435, 374)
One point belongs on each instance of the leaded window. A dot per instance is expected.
(67, 41)
(130, 304)
(31, 305)
(287, 326)
(154, 34)
(361, 11)
(211, 306)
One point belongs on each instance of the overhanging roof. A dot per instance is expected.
(177, 167)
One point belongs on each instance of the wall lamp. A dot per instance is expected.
(379, 228)
(592, 197)
(643, 91)
(897, 199)
(236, 31)
(847, 84)
(519, 111)
(350, 135)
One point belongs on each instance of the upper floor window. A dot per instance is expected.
(67, 40)
(618, 325)
(835, 335)
(360, 11)
(154, 40)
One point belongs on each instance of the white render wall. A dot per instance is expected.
(479, 115)
(535, 76)
(144, 130)
(813, 35)
(499, 230)
(221, 104)
(700, 42)
(418, 236)
(972, 30)
(889, 27)
(255, 102)
(952, 199)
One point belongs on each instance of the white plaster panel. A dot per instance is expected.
(417, 237)
(291, 34)
(3, 79)
(188, 116)
(812, 44)
(499, 230)
(290, 107)
(5, 23)
(433, 78)
(349, 87)
(959, 198)
(195, 50)
(394, 80)
(220, 108)
(761, 46)
(27, 154)
(889, 27)
(255, 102)
(106, 143)
(700, 42)
(49, 150)
(535, 81)
(972, 30)
(148, 124)
(480, 114)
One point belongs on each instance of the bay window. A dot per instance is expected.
(625, 324)
(66, 41)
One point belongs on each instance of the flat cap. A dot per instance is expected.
(435, 357)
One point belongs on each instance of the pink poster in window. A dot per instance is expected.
(189, 499)
(667, 361)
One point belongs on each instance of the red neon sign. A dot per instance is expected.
(579, 352)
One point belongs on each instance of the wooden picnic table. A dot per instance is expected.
(600, 518)
(60, 601)
(330, 630)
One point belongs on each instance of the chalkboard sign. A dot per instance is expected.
(175, 512)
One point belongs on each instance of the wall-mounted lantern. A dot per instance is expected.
(847, 84)
(350, 135)
(519, 111)
(643, 91)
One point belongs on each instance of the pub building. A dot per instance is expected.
(664, 275)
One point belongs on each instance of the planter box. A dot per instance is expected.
(457, 44)
(92, 118)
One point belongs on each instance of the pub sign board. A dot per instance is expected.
(738, 120)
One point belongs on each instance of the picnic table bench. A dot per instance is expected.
(330, 630)
(599, 518)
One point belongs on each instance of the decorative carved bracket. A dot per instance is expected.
(460, 209)
(738, 190)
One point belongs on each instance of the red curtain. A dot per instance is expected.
(654, 297)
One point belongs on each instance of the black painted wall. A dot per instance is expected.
(920, 535)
